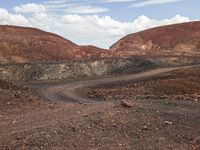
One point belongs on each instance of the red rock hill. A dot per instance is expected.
(177, 39)
(19, 44)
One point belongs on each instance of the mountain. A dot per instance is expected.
(172, 40)
(20, 44)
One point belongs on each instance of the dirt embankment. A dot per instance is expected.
(56, 71)
(87, 68)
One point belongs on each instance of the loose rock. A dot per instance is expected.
(127, 104)
(168, 122)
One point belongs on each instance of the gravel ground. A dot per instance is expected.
(27, 122)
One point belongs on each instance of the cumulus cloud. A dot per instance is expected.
(86, 29)
(29, 8)
(12, 19)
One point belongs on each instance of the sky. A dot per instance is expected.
(97, 22)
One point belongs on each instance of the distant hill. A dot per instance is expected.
(20, 44)
(172, 40)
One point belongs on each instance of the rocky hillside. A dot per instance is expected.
(25, 45)
(179, 39)
(68, 70)
(19, 44)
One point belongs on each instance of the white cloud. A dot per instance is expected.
(85, 10)
(116, 1)
(29, 8)
(56, 2)
(67, 6)
(86, 29)
(152, 2)
(12, 19)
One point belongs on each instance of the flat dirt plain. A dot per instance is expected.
(160, 112)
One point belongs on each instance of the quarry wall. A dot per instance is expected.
(51, 71)
(55, 71)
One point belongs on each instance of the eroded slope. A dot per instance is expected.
(20, 45)
(172, 40)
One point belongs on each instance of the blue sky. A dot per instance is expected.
(97, 22)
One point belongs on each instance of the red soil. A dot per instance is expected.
(172, 39)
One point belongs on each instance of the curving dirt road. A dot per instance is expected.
(151, 124)
(67, 91)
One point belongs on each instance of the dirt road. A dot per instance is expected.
(153, 123)
(67, 91)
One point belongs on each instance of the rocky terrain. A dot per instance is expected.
(67, 70)
(177, 40)
(114, 119)
(99, 67)
(86, 68)
(57, 95)
(182, 84)
(32, 54)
